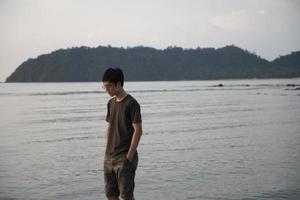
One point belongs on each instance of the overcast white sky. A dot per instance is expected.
(33, 27)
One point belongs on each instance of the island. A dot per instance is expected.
(141, 63)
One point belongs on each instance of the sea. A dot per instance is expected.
(206, 140)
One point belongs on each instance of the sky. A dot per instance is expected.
(29, 28)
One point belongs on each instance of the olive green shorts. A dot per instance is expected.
(119, 175)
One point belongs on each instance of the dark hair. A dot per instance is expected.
(113, 75)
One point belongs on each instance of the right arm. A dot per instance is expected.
(107, 119)
(107, 132)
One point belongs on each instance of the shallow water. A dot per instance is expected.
(240, 141)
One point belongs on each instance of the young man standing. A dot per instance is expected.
(123, 134)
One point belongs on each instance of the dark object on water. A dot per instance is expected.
(220, 85)
(292, 85)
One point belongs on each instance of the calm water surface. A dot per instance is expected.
(240, 141)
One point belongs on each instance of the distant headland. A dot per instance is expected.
(149, 64)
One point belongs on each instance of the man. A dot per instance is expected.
(123, 134)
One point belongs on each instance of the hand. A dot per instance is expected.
(129, 158)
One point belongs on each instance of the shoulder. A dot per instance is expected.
(112, 100)
(131, 103)
(131, 100)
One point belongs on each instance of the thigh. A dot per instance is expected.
(110, 179)
(126, 176)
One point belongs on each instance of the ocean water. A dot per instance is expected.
(239, 141)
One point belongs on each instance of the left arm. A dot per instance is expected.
(135, 140)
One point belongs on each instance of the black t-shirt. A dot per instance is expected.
(121, 115)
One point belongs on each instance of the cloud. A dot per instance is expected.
(242, 20)
(234, 21)
(261, 11)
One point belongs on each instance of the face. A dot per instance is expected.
(110, 88)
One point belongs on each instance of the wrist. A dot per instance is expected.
(129, 156)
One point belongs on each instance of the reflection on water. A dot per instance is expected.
(201, 140)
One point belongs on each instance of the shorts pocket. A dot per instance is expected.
(127, 162)
(132, 164)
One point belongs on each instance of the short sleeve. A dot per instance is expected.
(135, 112)
(108, 112)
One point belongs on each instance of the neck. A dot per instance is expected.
(121, 95)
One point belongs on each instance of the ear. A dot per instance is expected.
(119, 84)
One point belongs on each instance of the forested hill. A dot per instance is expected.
(144, 63)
